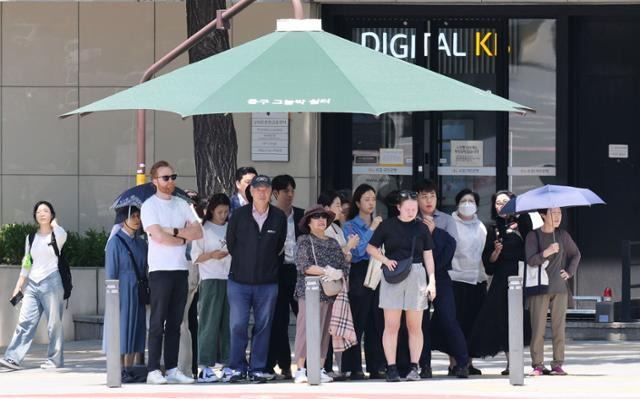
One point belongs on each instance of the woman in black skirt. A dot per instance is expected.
(503, 250)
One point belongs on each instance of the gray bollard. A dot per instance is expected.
(112, 322)
(312, 308)
(516, 344)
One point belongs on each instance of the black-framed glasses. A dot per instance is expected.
(168, 177)
(406, 194)
(319, 216)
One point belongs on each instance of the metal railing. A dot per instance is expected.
(626, 278)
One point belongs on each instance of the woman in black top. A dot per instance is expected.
(503, 250)
(400, 235)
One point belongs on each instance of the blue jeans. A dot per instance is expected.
(243, 297)
(43, 297)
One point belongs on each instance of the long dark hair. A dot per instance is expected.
(215, 201)
(326, 198)
(357, 195)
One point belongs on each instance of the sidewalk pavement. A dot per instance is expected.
(598, 369)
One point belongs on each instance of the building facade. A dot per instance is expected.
(573, 62)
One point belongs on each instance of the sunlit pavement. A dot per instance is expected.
(597, 370)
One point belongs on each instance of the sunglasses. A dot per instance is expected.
(168, 177)
(319, 216)
(406, 194)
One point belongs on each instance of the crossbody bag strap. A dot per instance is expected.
(133, 259)
(54, 244)
(313, 251)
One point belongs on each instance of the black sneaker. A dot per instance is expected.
(426, 372)
(238, 376)
(9, 363)
(356, 376)
(451, 371)
(474, 371)
(504, 372)
(461, 371)
(414, 374)
(258, 377)
(392, 374)
(380, 375)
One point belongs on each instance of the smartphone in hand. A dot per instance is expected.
(17, 298)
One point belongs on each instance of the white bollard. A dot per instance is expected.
(112, 322)
(516, 344)
(312, 308)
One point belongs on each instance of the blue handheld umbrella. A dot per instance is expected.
(136, 195)
(551, 196)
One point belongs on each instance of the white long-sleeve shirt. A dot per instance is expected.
(467, 266)
(44, 259)
(213, 239)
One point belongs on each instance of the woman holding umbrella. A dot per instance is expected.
(503, 250)
(554, 249)
(126, 261)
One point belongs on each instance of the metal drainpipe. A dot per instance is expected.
(172, 55)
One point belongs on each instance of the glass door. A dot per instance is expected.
(466, 141)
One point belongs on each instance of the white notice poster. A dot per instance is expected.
(466, 153)
(391, 157)
(270, 136)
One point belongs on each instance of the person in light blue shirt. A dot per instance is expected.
(367, 316)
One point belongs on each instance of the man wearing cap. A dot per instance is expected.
(255, 239)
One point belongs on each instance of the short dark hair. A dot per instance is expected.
(494, 197)
(326, 198)
(357, 195)
(281, 182)
(48, 205)
(215, 201)
(426, 186)
(243, 170)
(160, 164)
(466, 191)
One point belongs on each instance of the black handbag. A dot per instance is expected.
(402, 269)
(144, 293)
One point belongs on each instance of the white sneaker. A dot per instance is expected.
(48, 364)
(207, 375)
(175, 376)
(301, 376)
(156, 377)
(324, 377)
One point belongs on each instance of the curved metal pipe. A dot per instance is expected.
(298, 13)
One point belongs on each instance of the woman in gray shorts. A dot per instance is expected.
(399, 235)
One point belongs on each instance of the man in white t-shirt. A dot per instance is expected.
(170, 223)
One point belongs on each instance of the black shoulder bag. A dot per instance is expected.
(144, 294)
(402, 269)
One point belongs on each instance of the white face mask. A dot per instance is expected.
(467, 209)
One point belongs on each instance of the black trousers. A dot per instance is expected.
(368, 320)
(279, 347)
(168, 299)
(444, 325)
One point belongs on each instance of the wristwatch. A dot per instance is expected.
(175, 232)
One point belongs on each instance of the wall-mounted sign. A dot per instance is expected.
(382, 170)
(270, 136)
(463, 43)
(466, 171)
(618, 151)
(391, 157)
(466, 153)
(532, 170)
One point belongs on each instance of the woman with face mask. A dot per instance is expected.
(467, 270)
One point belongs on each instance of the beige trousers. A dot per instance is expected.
(538, 307)
(185, 355)
(301, 330)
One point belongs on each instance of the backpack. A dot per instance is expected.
(63, 265)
